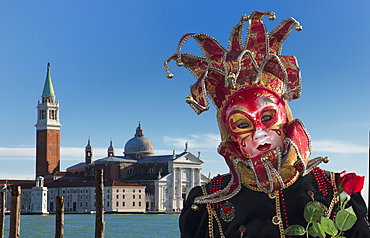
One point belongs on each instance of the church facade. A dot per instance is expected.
(137, 181)
(167, 178)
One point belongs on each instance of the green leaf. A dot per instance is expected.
(329, 226)
(313, 212)
(350, 210)
(294, 230)
(344, 199)
(316, 230)
(345, 219)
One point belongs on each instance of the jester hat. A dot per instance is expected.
(257, 62)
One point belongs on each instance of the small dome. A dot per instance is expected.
(139, 144)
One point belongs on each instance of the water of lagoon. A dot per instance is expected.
(116, 225)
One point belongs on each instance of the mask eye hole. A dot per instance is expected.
(267, 116)
(242, 124)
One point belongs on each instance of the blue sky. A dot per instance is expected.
(106, 64)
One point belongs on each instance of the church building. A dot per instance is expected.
(167, 178)
(137, 181)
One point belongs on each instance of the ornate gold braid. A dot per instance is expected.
(287, 170)
(212, 215)
(288, 184)
(278, 214)
(335, 199)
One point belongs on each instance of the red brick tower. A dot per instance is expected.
(47, 132)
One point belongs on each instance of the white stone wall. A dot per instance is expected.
(26, 200)
(33, 200)
(125, 199)
(82, 199)
(39, 200)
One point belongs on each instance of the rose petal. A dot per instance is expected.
(351, 182)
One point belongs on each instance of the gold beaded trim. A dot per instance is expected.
(335, 199)
(273, 194)
(210, 221)
(288, 184)
(276, 220)
(212, 215)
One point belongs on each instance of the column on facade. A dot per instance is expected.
(179, 187)
(198, 177)
(160, 197)
(172, 196)
(179, 191)
(174, 184)
(157, 198)
(192, 177)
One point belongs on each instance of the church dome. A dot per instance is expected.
(139, 147)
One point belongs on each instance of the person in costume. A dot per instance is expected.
(273, 188)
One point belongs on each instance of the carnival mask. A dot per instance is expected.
(255, 119)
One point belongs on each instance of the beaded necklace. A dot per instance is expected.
(281, 218)
(322, 180)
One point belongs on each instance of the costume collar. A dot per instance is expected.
(282, 167)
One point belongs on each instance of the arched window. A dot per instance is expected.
(131, 171)
(151, 171)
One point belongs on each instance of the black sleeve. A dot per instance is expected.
(194, 223)
(361, 227)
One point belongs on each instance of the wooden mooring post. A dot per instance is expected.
(99, 216)
(2, 213)
(15, 212)
(59, 217)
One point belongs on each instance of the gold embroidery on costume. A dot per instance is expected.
(212, 215)
(287, 170)
(335, 198)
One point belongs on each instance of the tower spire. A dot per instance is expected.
(110, 149)
(47, 132)
(88, 153)
(48, 86)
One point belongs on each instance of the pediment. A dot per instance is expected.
(188, 158)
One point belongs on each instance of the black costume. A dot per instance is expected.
(272, 179)
(254, 210)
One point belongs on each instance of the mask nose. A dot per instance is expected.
(260, 135)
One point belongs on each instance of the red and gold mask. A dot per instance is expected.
(255, 119)
(248, 82)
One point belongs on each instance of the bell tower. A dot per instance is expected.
(47, 132)
(88, 153)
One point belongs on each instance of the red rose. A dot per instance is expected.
(351, 182)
